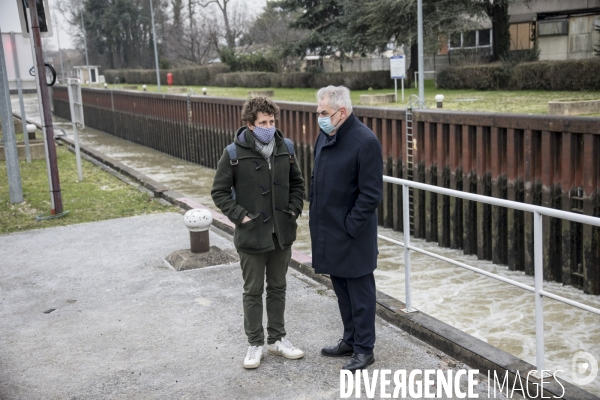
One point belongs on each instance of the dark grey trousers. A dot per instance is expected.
(255, 266)
(357, 299)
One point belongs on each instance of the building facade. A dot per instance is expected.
(562, 29)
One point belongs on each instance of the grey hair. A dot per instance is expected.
(337, 96)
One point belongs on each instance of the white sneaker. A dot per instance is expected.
(253, 357)
(284, 348)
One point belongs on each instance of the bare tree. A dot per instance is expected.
(232, 19)
(191, 35)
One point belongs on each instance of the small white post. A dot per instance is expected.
(395, 90)
(439, 99)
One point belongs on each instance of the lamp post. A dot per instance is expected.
(420, 50)
(62, 69)
(155, 51)
(87, 62)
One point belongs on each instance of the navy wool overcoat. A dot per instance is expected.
(346, 189)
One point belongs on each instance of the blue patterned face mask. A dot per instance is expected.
(325, 123)
(264, 135)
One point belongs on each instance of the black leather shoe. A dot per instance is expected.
(339, 350)
(359, 361)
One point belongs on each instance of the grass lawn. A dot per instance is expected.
(100, 196)
(520, 102)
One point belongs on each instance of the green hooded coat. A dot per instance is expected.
(266, 194)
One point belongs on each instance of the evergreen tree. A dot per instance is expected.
(365, 26)
(118, 32)
(324, 22)
(497, 11)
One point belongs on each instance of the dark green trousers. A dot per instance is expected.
(273, 264)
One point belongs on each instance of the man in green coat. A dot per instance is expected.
(259, 187)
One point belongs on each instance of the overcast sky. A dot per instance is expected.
(66, 40)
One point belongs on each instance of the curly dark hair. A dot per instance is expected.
(252, 107)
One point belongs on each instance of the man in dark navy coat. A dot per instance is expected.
(346, 189)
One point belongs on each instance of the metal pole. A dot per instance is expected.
(420, 46)
(539, 287)
(395, 90)
(87, 62)
(75, 104)
(406, 228)
(77, 152)
(20, 91)
(403, 90)
(40, 107)
(155, 51)
(41, 77)
(8, 136)
(62, 68)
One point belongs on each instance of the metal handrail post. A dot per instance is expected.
(406, 222)
(539, 287)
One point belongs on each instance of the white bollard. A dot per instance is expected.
(198, 221)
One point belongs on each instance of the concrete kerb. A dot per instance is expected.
(457, 344)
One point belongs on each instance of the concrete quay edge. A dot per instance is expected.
(457, 344)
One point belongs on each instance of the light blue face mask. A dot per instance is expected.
(325, 123)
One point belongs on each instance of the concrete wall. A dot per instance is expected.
(578, 44)
(581, 39)
(553, 47)
(358, 65)
(430, 62)
(539, 6)
(582, 36)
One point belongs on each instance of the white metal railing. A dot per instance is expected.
(537, 211)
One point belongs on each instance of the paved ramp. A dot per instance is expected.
(125, 326)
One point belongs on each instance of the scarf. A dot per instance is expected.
(266, 150)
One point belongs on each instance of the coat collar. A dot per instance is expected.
(341, 131)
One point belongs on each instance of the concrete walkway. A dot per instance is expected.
(126, 326)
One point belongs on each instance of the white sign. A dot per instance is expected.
(398, 67)
(43, 17)
(75, 101)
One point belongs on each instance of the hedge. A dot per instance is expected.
(574, 75)
(480, 77)
(219, 75)
(247, 79)
(181, 76)
(354, 80)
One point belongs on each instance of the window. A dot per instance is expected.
(553, 27)
(521, 36)
(471, 39)
(455, 41)
(484, 37)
